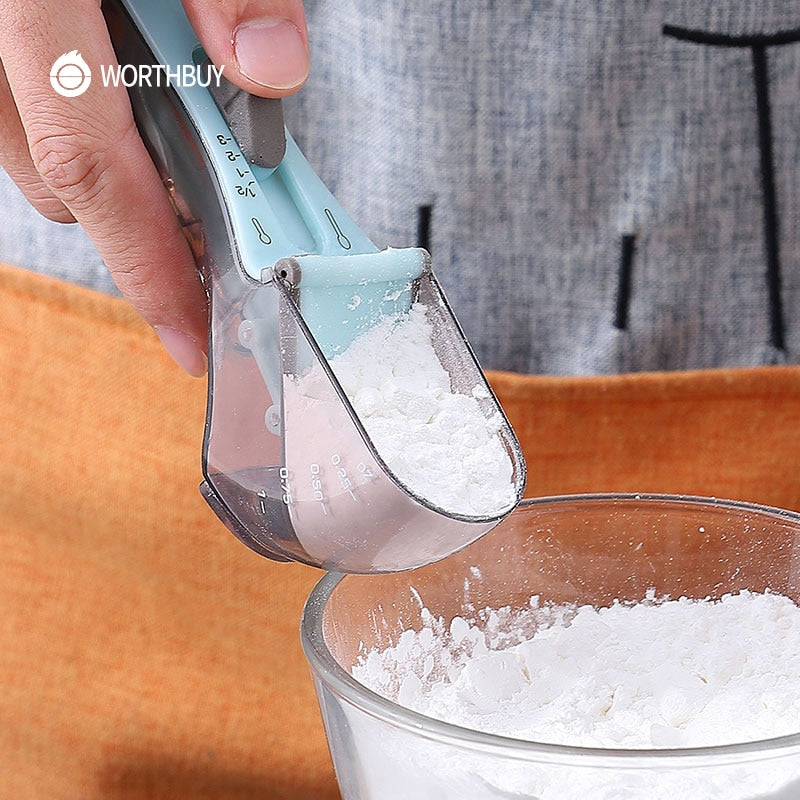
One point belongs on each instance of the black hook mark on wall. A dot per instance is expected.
(625, 279)
(424, 216)
(758, 44)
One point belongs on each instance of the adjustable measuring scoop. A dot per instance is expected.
(295, 288)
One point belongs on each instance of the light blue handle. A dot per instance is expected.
(274, 213)
(344, 284)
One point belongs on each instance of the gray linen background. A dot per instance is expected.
(539, 138)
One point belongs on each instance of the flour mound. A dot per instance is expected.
(675, 673)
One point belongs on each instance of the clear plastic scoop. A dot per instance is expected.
(295, 477)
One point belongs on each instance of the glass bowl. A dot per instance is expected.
(590, 549)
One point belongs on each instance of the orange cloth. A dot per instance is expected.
(728, 433)
(144, 652)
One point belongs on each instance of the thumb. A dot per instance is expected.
(263, 44)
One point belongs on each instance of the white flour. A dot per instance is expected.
(438, 443)
(680, 673)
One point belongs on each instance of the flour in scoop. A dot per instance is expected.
(438, 443)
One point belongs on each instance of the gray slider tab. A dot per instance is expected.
(256, 122)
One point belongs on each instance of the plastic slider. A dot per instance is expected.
(256, 122)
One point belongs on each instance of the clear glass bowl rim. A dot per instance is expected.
(337, 680)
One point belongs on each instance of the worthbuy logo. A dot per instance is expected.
(71, 76)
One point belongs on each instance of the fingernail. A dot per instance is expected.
(271, 52)
(184, 350)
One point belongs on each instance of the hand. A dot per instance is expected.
(81, 158)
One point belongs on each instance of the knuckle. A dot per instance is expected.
(68, 163)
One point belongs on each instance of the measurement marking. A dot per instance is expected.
(263, 236)
(245, 191)
(343, 241)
